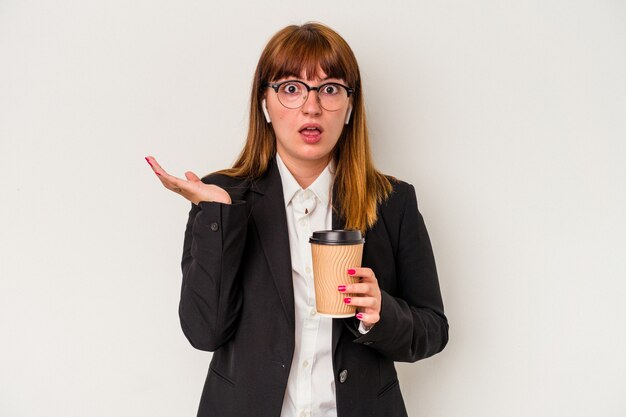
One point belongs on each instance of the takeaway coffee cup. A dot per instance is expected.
(333, 252)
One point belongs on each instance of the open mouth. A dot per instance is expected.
(311, 131)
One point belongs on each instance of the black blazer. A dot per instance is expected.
(237, 301)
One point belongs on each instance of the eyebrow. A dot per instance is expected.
(323, 80)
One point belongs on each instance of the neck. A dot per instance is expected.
(305, 172)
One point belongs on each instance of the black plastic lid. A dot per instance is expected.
(337, 237)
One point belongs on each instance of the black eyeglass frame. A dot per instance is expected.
(276, 86)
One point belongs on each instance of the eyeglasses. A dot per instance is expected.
(293, 94)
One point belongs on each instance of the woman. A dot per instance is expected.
(247, 284)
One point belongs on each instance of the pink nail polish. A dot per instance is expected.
(347, 300)
(148, 161)
(341, 288)
(359, 316)
(351, 271)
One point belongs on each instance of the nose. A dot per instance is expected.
(312, 104)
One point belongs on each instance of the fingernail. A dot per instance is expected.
(351, 271)
(341, 288)
(347, 300)
(148, 161)
(359, 316)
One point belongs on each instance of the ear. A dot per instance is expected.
(265, 112)
(348, 114)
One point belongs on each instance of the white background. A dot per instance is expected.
(508, 116)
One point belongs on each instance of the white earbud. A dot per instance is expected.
(265, 112)
(348, 115)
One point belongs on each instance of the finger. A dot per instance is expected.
(191, 176)
(169, 181)
(360, 288)
(155, 166)
(364, 302)
(366, 273)
(150, 160)
(368, 319)
(177, 185)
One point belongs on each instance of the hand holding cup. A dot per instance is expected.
(366, 295)
(333, 252)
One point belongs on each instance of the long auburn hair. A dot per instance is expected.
(308, 48)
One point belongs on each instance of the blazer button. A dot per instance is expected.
(214, 227)
(343, 375)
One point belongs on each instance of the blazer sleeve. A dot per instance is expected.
(210, 300)
(412, 323)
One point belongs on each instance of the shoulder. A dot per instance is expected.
(398, 185)
(399, 215)
(401, 193)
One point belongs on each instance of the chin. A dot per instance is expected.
(314, 156)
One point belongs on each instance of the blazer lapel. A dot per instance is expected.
(270, 219)
(338, 224)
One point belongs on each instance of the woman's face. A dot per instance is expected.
(306, 135)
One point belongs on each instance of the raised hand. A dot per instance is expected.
(193, 189)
